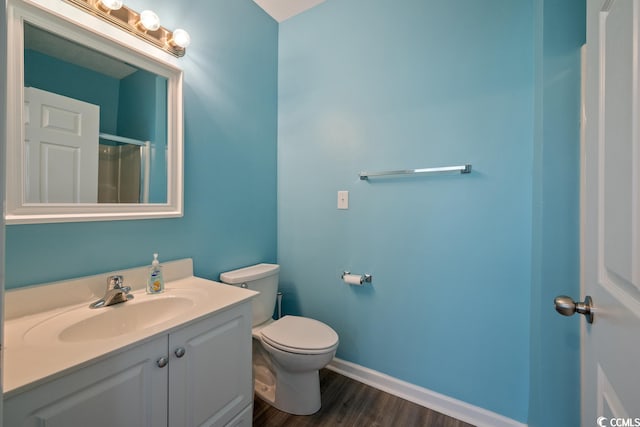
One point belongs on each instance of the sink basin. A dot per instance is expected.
(124, 318)
(84, 324)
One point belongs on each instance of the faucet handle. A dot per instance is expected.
(115, 282)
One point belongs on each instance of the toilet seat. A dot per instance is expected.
(300, 335)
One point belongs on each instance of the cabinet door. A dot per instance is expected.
(125, 390)
(211, 382)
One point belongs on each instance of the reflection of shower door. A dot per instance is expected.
(123, 169)
(119, 175)
(61, 148)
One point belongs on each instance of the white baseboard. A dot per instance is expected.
(429, 399)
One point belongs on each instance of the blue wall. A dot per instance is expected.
(378, 85)
(230, 161)
(555, 340)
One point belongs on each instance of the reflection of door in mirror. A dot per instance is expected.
(65, 163)
(130, 160)
(61, 149)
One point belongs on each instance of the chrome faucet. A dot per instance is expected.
(116, 293)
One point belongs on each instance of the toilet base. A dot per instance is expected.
(296, 393)
(287, 400)
(264, 384)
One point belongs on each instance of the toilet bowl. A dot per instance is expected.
(288, 352)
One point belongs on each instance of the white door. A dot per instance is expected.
(611, 258)
(61, 148)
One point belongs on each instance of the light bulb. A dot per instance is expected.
(181, 38)
(149, 20)
(112, 4)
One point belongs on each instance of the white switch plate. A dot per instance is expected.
(343, 200)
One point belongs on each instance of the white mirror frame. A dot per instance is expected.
(72, 23)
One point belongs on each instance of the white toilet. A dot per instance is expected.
(287, 353)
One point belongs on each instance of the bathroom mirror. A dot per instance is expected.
(94, 121)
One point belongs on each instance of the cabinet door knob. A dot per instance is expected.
(162, 362)
(180, 351)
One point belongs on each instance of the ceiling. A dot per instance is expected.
(285, 9)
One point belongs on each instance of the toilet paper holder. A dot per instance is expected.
(354, 279)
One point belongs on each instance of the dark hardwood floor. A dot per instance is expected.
(346, 402)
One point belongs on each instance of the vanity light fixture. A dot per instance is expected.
(109, 4)
(144, 25)
(149, 20)
(180, 38)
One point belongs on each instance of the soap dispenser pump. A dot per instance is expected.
(155, 284)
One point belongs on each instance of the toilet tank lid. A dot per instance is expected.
(247, 274)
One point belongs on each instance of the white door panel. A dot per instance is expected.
(611, 270)
(61, 140)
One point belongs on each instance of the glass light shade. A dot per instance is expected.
(149, 20)
(112, 4)
(181, 38)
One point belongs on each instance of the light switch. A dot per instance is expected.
(343, 200)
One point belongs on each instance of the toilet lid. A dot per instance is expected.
(300, 335)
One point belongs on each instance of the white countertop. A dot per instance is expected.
(27, 362)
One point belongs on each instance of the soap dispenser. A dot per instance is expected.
(155, 283)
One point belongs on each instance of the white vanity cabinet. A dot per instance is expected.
(210, 379)
(206, 381)
(127, 389)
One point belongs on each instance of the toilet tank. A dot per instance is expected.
(262, 278)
